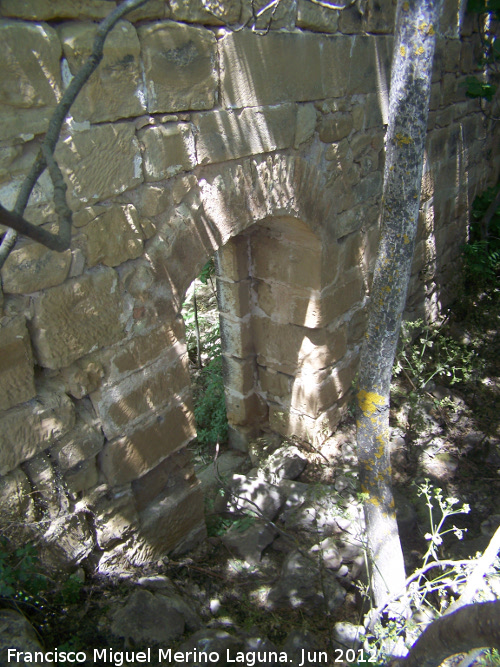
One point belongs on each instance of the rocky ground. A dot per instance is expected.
(283, 570)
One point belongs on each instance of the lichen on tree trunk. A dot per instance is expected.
(415, 36)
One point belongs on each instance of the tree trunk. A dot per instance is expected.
(473, 626)
(416, 23)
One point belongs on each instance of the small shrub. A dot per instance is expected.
(20, 576)
(210, 405)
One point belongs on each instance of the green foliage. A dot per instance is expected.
(210, 404)
(482, 255)
(484, 6)
(477, 88)
(207, 272)
(20, 577)
(490, 658)
(71, 590)
(430, 355)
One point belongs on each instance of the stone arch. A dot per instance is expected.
(279, 197)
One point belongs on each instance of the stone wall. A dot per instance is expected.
(192, 140)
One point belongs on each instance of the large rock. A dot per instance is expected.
(99, 162)
(179, 66)
(47, 10)
(33, 426)
(75, 318)
(148, 617)
(30, 77)
(249, 544)
(115, 88)
(16, 365)
(113, 237)
(213, 12)
(16, 498)
(32, 267)
(168, 150)
(302, 586)
(314, 17)
(255, 496)
(133, 455)
(84, 441)
(227, 135)
(144, 393)
(17, 632)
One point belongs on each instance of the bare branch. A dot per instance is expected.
(49, 144)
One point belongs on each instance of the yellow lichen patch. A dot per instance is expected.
(406, 239)
(402, 51)
(369, 401)
(402, 140)
(419, 50)
(406, 6)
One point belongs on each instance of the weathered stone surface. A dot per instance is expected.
(83, 442)
(243, 410)
(256, 495)
(179, 66)
(227, 135)
(306, 124)
(75, 318)
(234, 298)
(379, 17)
(16, 501)
(314, 17)
(115, 89)
(115, 514)
(147, 617)
(231, 260)
(288, 305)
(30, 77)
(82, 477)
(32, 267)
(133, 455)
(238, 373)
(291, 422)
(213, 12)
(301, 586)
(17, 632)
(113, 237)
(33, 426)
(168, 150)
(175, 522)
(145, 349)
(281, 16)
(46, 10)
(290, 59)
(236, 336)
(99, 163)
(145, 392)
(16, 365)
(250, 543)
(335, 127)
(286, 462)
(82, 377)
(153, 9)
(175, 474)
(291, 264)
(287, 348)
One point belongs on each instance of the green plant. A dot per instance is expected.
(210, 405)
(430, 594)
(20, 576)
(482, 252)
(430, 354)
